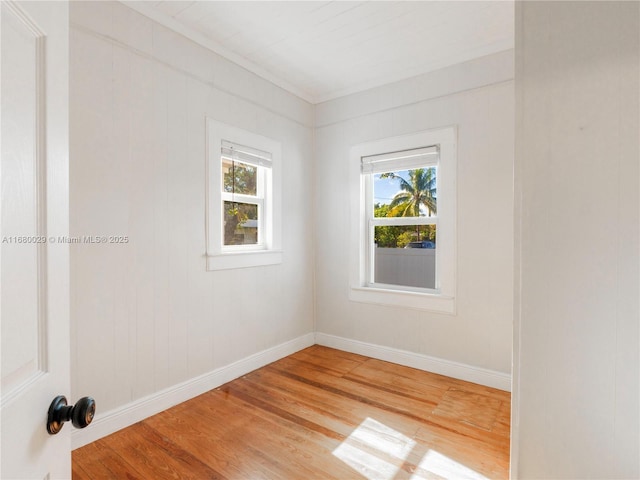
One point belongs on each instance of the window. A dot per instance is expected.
(246, 177)
(404, 221)
(243, 218)
(401, 208)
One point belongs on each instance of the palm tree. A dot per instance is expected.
(419, 191)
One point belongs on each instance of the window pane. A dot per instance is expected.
(405, 193)
(405, 255)
(239, 177)
(240, 223)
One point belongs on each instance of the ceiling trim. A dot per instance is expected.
(171, 23)
(479, 52)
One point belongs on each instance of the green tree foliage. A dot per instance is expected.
(386, 236)
(429, 233)
(235, 214)
(405, 237)
(417, 192)
(238, 178)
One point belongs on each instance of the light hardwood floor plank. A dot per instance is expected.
(318, 414)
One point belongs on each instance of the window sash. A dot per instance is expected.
(381, 221)
(261, 243)
(262, 174)
(370, 266)
(262, 224)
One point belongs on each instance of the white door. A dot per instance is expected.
(34, 286)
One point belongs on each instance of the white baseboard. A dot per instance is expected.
(109, 422)
(119, 418)
(469, 373)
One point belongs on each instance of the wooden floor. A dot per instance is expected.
(317, 414)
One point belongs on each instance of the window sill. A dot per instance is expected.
(433, 302)
(228, 261)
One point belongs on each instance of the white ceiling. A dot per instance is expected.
(322, 50)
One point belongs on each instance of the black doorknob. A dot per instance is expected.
(81, 414)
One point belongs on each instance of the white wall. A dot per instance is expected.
(478, 97)
(146, 315)
(577, 328)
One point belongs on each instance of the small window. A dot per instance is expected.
(405, 236)
(246, 177)
(243, 199)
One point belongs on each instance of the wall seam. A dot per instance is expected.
(314, 239)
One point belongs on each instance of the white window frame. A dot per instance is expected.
(442, 299)
(268, 249)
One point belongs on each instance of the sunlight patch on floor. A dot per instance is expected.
(375, 450)
(434, 463)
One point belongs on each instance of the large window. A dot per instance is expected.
(401, 209)
(243, 221)
(405, 234)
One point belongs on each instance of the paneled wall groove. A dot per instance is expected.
(478, 98)
(212, 84)
(577, 344)
(146, 315)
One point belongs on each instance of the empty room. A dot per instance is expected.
(320, 240)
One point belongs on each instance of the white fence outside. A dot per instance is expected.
(413, 267)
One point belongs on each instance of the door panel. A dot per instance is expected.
(23, 203)
(34, 280)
